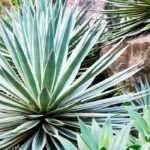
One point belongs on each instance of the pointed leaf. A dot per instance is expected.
(121, 139)
(67, 145)
(44, 99)
(81, 144)
(87, 136)
(39, 141)
(49, 74)
(139, 123)
(106, 136)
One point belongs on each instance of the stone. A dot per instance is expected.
(94, 7)
(138, 51)
(5, 2)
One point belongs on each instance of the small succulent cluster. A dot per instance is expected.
(105, 138)
(102, 138)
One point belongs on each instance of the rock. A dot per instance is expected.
(94, 7)
(5, 2)
(138, 51)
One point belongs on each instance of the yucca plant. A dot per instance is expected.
(103, 138)
(79, 31)
(41, 92)
(133, 17)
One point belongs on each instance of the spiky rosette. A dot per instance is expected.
(42, 93)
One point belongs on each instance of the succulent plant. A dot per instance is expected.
(141, 122)
(144, 101)
(103, 138)
(41, 92)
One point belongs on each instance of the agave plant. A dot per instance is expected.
(142, 86)
(142, 125)
(140, 138)
(103, 138)
(41, 92)
(141, 121)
